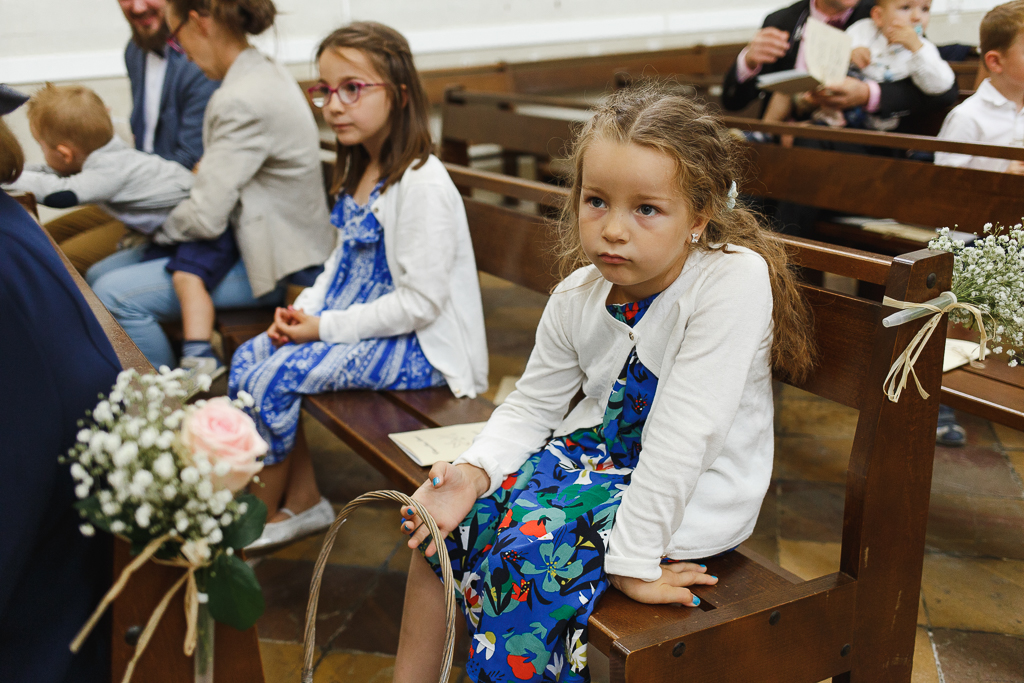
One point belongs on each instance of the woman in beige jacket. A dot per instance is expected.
(260, 177)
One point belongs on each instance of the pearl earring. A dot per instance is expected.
(694, 236)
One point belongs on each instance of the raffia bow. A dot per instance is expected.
(896, 380)
(191, 563)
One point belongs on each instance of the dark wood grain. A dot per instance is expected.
(869, 138)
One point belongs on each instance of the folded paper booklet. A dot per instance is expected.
(827, 53)
(427, 446)
(959, 352)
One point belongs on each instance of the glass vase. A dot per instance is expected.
(203, 655)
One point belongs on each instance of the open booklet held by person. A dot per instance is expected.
(827, 52)
(427, 446)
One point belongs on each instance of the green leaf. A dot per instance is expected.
(235, 595)
(89, 509)
(249, 526)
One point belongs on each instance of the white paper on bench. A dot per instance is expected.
(427, 446)
(959, 352)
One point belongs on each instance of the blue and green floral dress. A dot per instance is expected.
(530, 558)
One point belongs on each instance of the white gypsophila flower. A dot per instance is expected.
(225, 496)
(202, 598)
(98, 441)
(132, 428)
(204, 382)
(111, 443)
(169, 492)
(229, 550)
(226, 519)
(181, 524)
(246, 398)
(102, 413)
(190, 475)
(222, 468)
(154, 393)
(148, 437)
(207, 524)
(140, 482)
(78, 472)
(84, 435)
(198, 549)
(173, 421)
(87, 530)
(165, 440)
(216, 506)
(82, 491)
(193, 506)
(215, 536)
(153, 414)
(243, 508)
(204, 466)
(117, 526)
(204, 489)
(110, 508)
(164, 466)
(104, 496)
(126, 454)
(117, 479)
(143, 514)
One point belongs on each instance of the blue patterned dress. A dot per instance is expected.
(530, 558)
(278, 378)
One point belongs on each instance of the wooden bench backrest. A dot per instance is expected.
(882, 187)
(889, 472)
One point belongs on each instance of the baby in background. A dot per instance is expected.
(88, 164)
(993, 115)
(888, 46)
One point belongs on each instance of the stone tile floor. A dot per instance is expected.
(971, 616)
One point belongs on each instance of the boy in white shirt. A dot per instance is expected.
(993, 115)
(888, 46)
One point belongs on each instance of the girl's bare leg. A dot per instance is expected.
(271, 487)
(290, 483)
(421, 640)
(302, 492)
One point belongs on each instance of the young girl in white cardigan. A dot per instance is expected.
(678, 307)
(398, 304)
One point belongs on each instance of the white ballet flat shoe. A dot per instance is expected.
(278, 534)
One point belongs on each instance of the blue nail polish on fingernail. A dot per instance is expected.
(713, 576)
(410, 511)
(703, 566)
(436, 481)
(696, 601)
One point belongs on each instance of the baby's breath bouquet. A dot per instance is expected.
(989, 275)
(167, 478)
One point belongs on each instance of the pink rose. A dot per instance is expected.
(229, 440)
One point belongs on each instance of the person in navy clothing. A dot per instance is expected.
(54, 360)
(169, 96)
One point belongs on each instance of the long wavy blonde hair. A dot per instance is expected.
(708, 158)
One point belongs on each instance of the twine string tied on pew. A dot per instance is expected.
(903, 367)
(191, 562)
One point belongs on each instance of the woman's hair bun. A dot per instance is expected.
(247, 16)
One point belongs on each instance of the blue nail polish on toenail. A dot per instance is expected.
(437, 480)
(696, 601)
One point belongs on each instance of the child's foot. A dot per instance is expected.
(202, 365)
(198, 358)
(948, 432)
(294, 528)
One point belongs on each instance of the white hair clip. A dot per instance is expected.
(732, 194)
